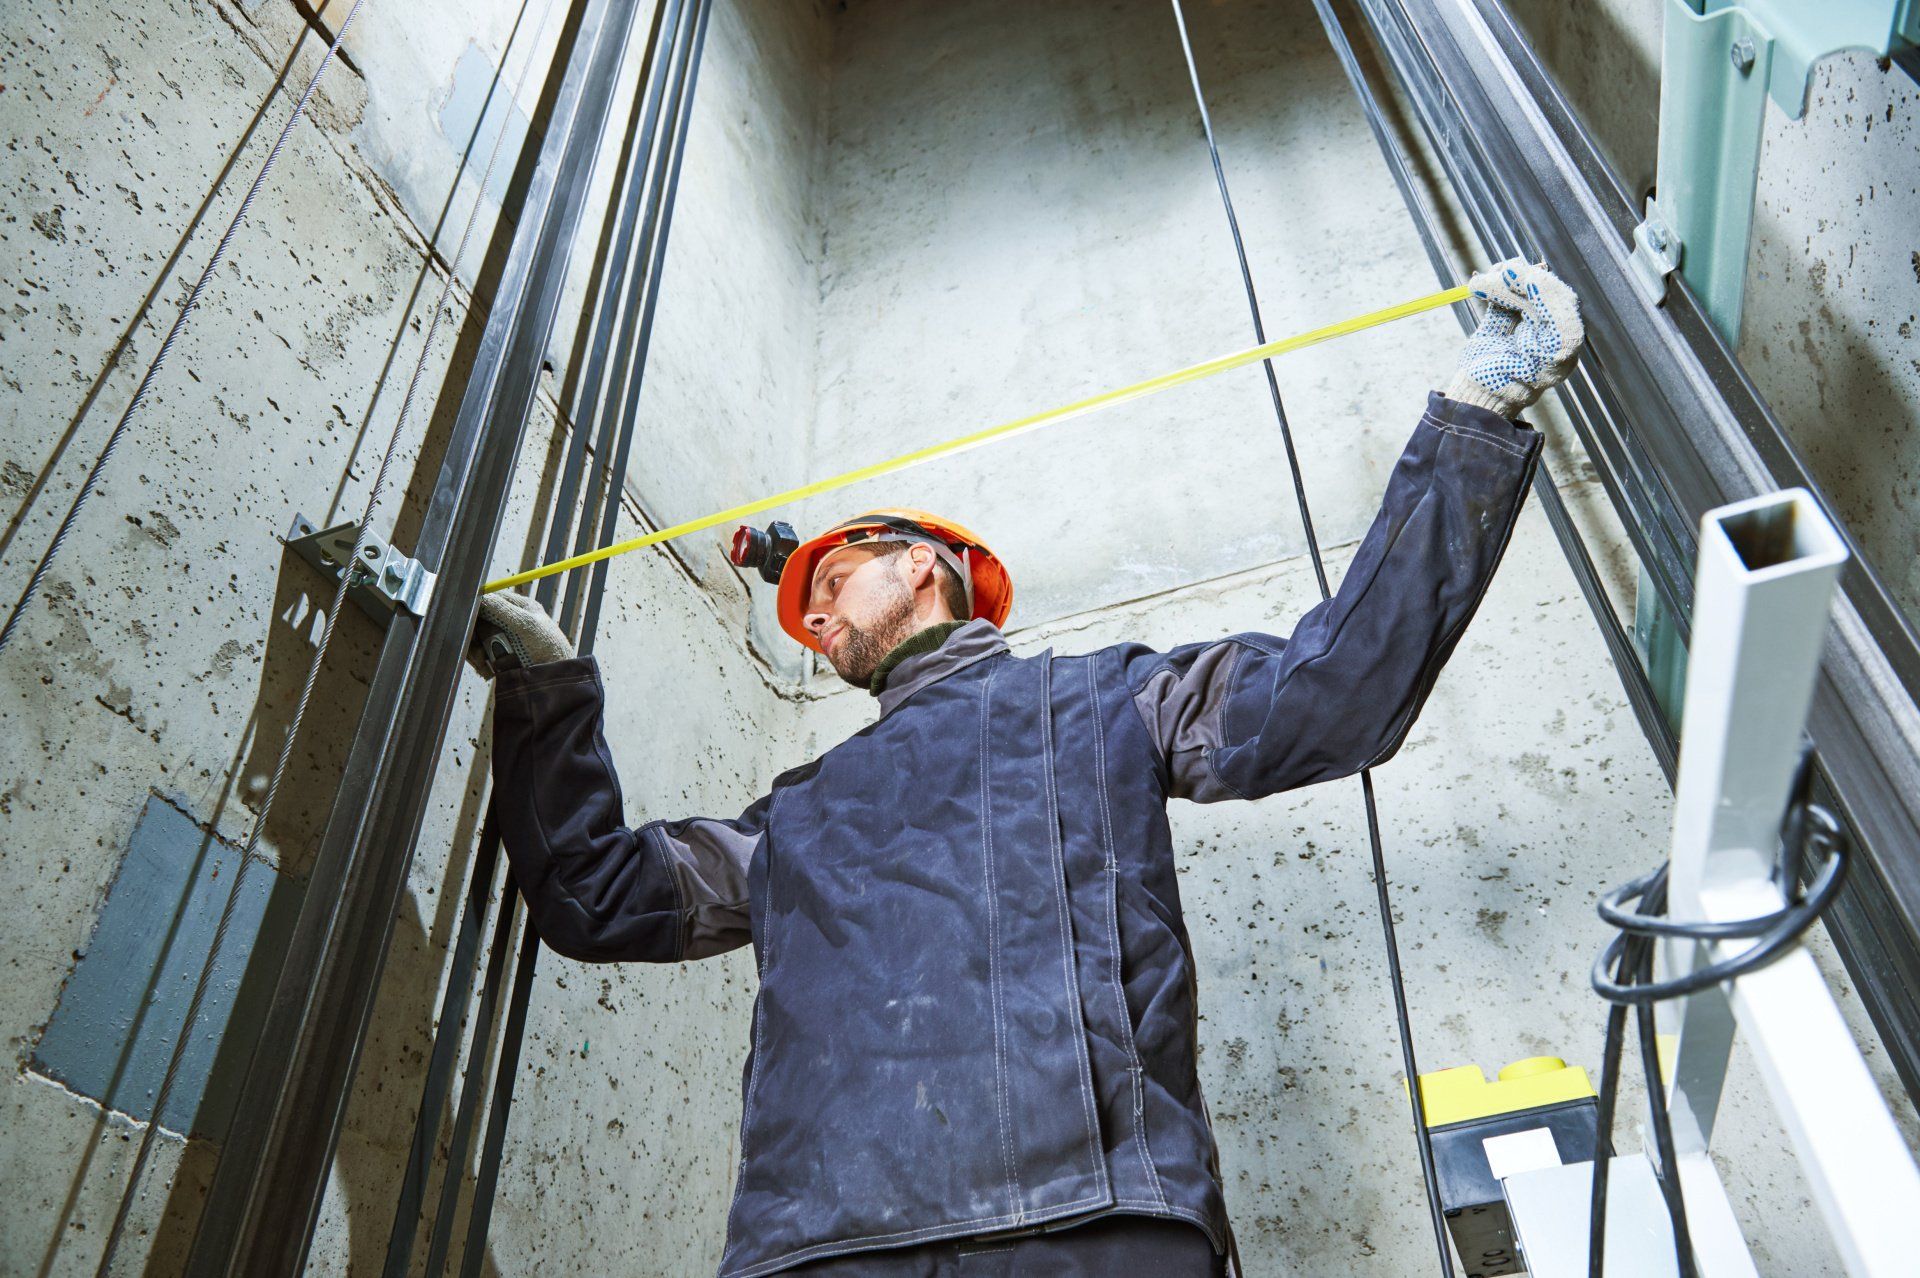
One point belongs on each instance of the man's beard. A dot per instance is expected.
(859, 650)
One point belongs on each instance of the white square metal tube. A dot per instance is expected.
(1765, 579)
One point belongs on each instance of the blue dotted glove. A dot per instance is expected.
(1527, 341)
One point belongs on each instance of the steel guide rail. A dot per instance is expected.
(1683, 430)
(1661, 541)
(456, 1002)
(662, 191)
(1640, 693)
(271, 1177)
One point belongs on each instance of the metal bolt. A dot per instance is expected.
(1743, 54)
(1657, 237)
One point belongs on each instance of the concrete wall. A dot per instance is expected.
(169, 644)
(1021, 212)
(1833, 281)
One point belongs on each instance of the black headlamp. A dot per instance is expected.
(766, 549)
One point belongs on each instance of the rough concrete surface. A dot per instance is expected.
(898, 220)
(1833, 279)
(1022, 212)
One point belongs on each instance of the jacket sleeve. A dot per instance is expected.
(1253, 715)
(597, 890)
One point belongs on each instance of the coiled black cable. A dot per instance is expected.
(1623, 975)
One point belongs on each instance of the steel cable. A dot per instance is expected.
(1374, 840)
(152, 374)
(311, 678)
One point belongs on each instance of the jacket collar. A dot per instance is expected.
(975, 641)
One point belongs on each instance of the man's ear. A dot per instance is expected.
(920, 562)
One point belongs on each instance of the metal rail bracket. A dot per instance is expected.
(1656, 254)
(1719, 62)
(382, 579)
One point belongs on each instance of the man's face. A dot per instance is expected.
(860, 606)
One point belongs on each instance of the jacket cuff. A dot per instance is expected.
(515, 686)
(1444, 412)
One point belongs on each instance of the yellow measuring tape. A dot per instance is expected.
(993, 434)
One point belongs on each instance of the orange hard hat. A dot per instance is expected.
(989, 589)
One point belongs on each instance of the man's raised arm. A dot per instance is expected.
(1255, 714)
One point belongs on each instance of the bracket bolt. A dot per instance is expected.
(1743, 54)
(1657, 237)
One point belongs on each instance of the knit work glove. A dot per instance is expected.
(1528, 340)
(513, 632)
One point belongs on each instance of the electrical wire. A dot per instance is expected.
(179, 325)
(311, 679)
(1624, 976)
(1375, 843)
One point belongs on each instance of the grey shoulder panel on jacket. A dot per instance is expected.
(1182, 699)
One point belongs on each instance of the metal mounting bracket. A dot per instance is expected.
(1656, 254)
(1719, 62)
(382, 578)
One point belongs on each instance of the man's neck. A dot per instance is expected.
(925, 640)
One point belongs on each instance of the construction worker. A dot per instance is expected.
(973, 1049)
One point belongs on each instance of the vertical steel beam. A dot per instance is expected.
(667, 152)
(635, 156)
(272, 1175)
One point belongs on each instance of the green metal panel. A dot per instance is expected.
(1663, 655)
(1711, 112)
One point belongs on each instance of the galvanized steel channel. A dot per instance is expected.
(268, 1186)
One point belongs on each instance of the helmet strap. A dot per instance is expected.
(961, 564)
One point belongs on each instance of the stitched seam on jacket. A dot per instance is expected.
(1201, 1219)
(1259, 643)
(1058, 856)
(1113, 932)
(935, 1232)
(1431, 671)
(1475, 432)
(520, 690)
(1014, 1194)
(948, 673)
(1153, 742)
(755, 1061)
(1485, 437)
(1220, 707)
(1220, 713)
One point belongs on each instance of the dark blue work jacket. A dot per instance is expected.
(977, 1000)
